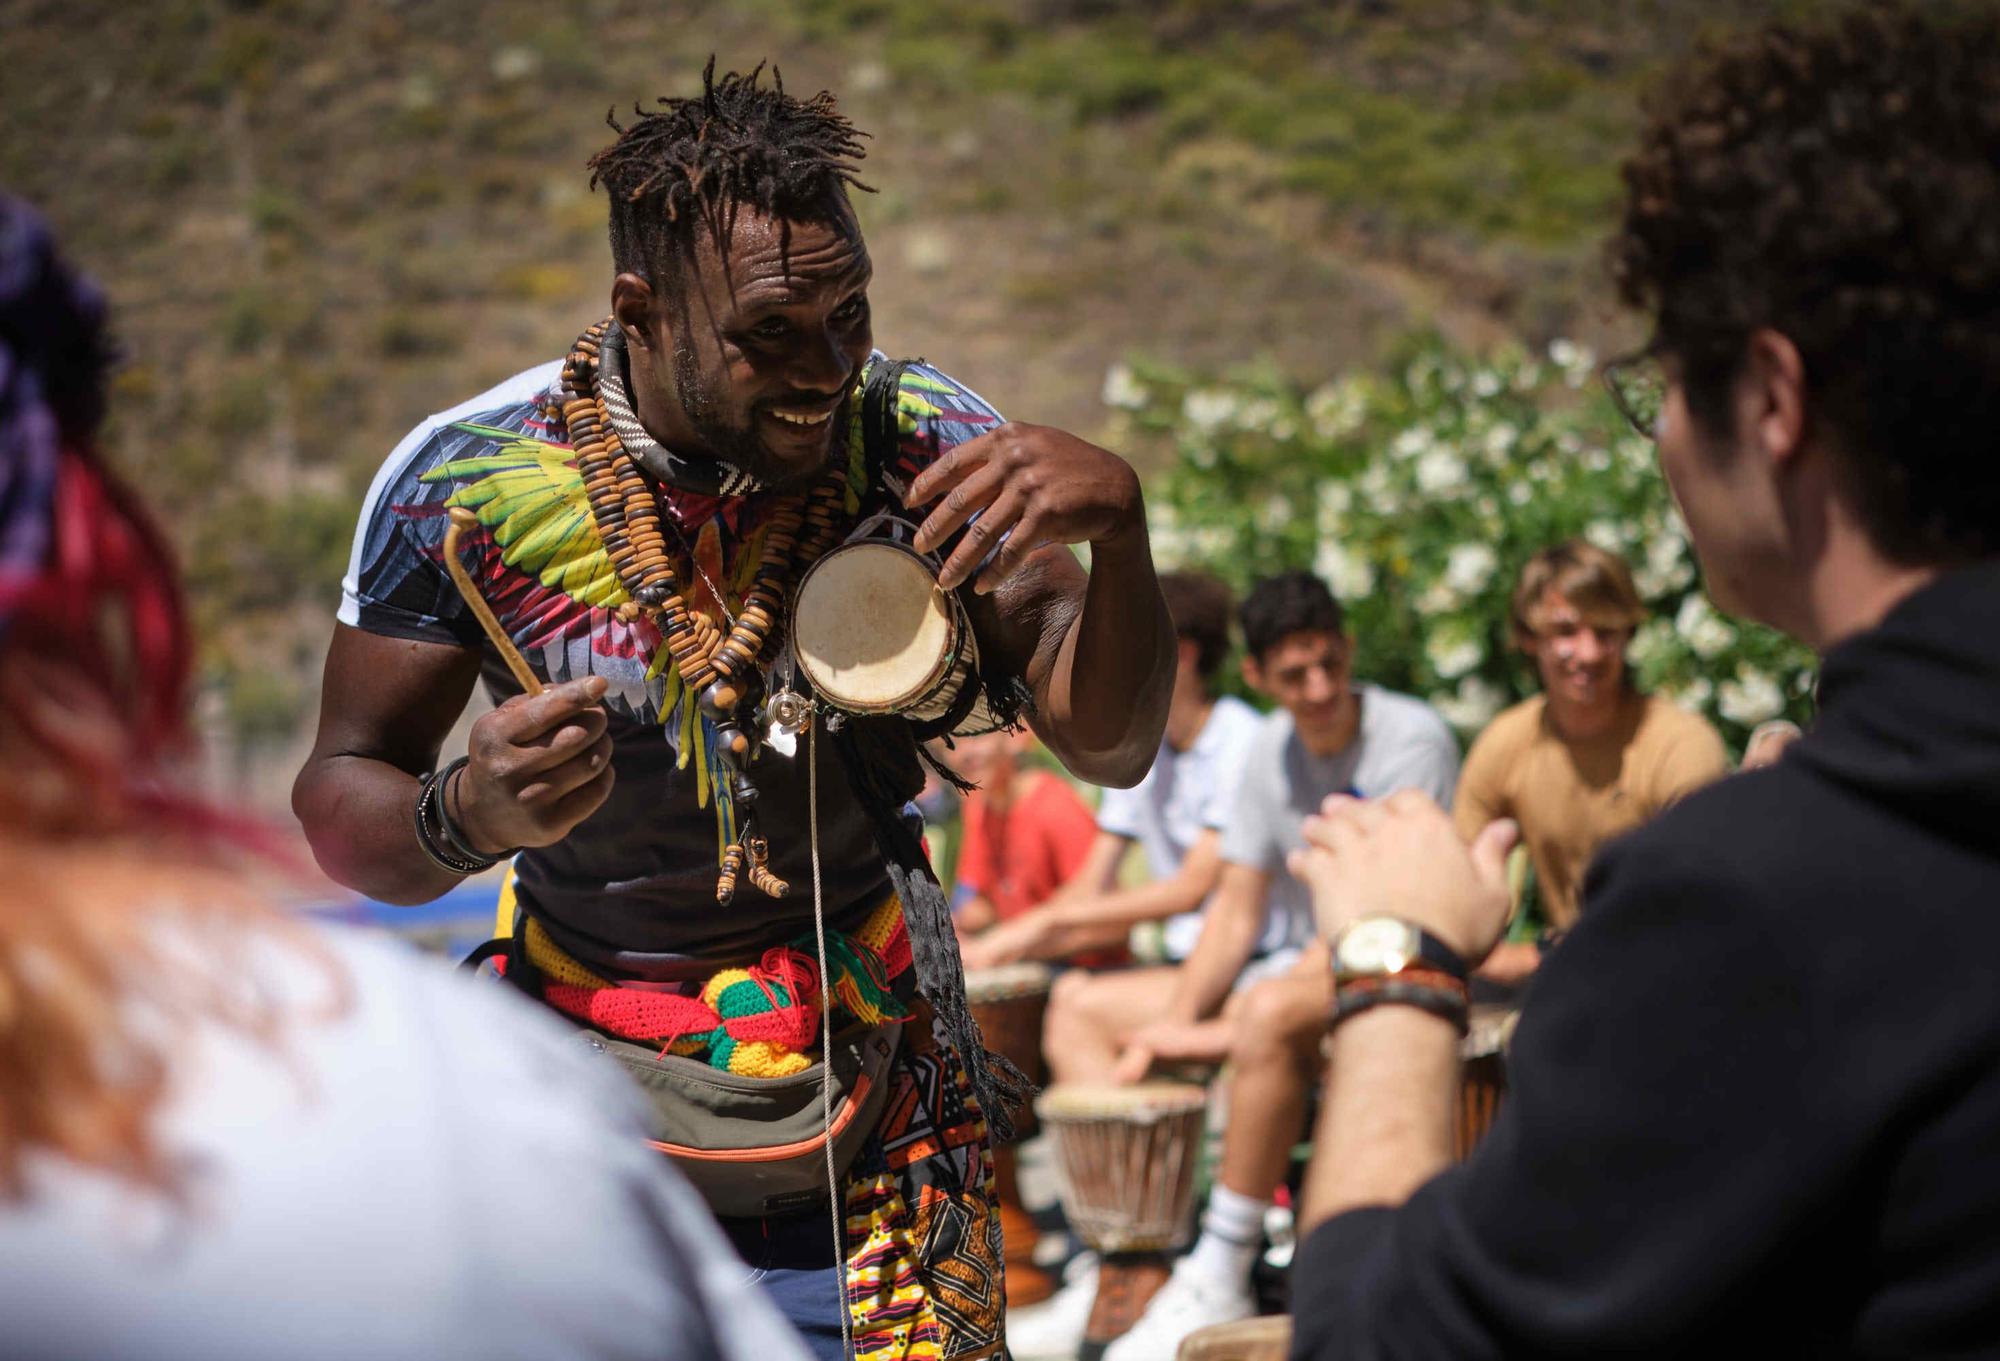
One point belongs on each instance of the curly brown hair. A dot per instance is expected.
(1840, 183)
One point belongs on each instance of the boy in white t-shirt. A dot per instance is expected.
(1175, 815)
(1331, 735)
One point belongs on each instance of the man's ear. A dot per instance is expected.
(1774, 389)
(1253, 675)
(633, 304)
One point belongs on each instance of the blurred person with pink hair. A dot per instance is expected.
(224, 1133)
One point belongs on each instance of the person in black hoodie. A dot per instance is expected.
(1755, 1096)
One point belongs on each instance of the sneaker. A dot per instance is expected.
(1189, 1301)
(1053, 1329)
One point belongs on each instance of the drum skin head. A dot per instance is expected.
(872, 629)
(1140, 1102)
(1025, 979)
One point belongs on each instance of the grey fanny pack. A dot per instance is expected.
(756, 1146)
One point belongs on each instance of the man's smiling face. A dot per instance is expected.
(763, 345)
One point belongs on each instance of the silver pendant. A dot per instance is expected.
(786, 714)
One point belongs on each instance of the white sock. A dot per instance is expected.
(1231, 1230)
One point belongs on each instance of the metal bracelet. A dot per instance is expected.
(446, 859)
(452, 832)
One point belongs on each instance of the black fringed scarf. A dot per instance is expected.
(880, 756)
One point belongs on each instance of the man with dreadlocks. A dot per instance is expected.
(636, 517)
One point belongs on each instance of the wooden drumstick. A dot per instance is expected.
(462, 520)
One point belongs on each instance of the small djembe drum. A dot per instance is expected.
(1482, 1072)
(876, 634)
(1126, 1159)
(1009, 1003)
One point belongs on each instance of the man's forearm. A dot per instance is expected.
(1219, 956)
(1127, 907)
(1115, 670)
(358, 814)
(1385, 1125)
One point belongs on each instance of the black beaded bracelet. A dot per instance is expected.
(1445, 1002)
(452, 858)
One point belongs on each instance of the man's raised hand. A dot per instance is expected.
(1031, 485)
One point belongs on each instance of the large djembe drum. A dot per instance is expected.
(1482, 1073)
(1009, 1003)
(1126, 1159)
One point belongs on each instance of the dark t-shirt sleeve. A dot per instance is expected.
(1657, 1148)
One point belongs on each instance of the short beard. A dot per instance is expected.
(737, 445)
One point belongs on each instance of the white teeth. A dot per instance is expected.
(797, 418)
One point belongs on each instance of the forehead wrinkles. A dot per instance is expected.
(770, 260)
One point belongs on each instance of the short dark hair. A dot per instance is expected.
(1288, 603)
(1839, 183)
(1201, 606)
(696, 160)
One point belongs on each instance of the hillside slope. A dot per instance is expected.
(320, 221)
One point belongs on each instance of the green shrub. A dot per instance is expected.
(1417, 493)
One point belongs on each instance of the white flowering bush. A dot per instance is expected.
(1417, 493)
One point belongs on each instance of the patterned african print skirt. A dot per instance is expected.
(924, 1273)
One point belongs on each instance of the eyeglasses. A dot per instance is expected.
(1638, 388)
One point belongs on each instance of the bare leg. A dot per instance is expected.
(1091, 1016)
(1273, 1059)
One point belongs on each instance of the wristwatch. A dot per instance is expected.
(1377, 947)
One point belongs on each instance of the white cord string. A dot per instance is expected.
(835, 1207)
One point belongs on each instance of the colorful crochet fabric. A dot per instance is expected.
(755, 1022)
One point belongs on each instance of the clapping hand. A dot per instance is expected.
(1401, 857)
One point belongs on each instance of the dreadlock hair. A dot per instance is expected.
(698, 160)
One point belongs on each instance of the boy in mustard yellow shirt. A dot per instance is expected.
(1590, 757)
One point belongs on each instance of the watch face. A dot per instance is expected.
(1375, 945)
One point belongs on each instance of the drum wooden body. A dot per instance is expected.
(875, 634)
(1482, 1073)
(1126, 1159)
(1009, 1003)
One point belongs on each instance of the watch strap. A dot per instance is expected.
(1439, 955)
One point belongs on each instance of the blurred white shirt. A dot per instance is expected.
(1184, 794)
(440, 1171)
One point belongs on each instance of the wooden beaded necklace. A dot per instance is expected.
(722, 669)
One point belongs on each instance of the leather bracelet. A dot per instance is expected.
(446, 857)
(1356, 997)
(449, 826)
